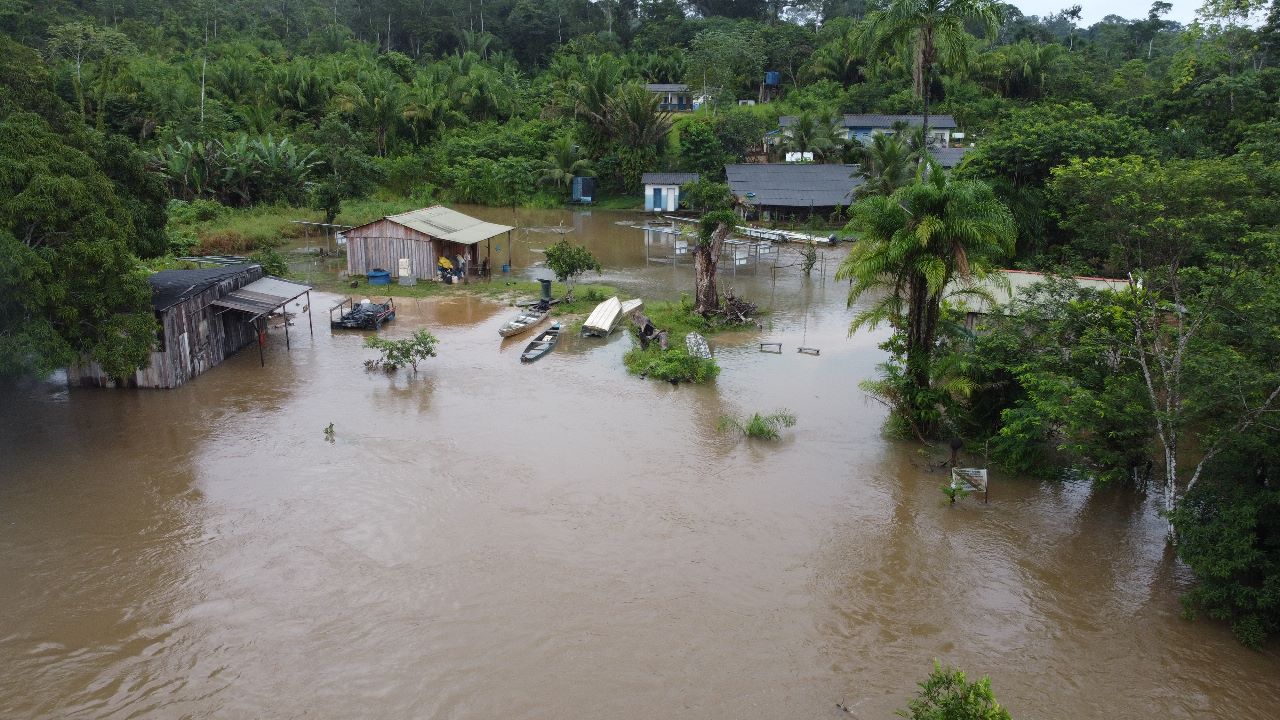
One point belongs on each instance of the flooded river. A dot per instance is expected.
(491, 540)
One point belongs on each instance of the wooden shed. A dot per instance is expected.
(422, 236)
(205, 316)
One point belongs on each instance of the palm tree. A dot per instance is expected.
(935, 32)
(429, 105)
(818, 134)
(377, 102)
(884, 167)
(911, 246)
(563, 162)
(589, 92)
(841, 60)
(633, 117)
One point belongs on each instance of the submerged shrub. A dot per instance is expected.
(761, 427)
(271, 260)
(675, 365)
(398, 353)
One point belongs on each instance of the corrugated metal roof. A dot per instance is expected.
(948, 157)
(793, 185)
(1016, 281)
(939, 122)
(668, 178)
(170, 287)
(262, 296)
(449, 225)
(666, 87)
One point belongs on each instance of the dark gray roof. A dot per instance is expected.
(170, 287)
(666, 87)
(668, 178)
(793, 185)
(948, 157)
(941, 122)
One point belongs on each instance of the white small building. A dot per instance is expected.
(662, 189)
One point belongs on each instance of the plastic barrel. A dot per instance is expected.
(378, 276)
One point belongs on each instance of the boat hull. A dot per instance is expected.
(542, 345)
(522, 323)
(603, 319)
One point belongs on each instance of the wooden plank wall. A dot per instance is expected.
(381, 245)
(197, 336)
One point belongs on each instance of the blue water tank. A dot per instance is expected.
(378, 276)
(772, 77)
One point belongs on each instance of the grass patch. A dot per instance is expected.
(675, 365)
(760, 427)
(679, 318)
(618, 202)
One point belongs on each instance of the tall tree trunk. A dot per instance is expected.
(705, 257)
(922, 326)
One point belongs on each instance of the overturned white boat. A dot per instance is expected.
(631, 306)
(604, 318)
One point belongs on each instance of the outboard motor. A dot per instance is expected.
(546, 290)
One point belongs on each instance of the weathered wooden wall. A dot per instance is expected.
(381, 245)
(197, 336)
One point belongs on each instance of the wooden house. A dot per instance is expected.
(205, 316)
(421, 237)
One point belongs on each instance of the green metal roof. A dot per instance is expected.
(449, 225)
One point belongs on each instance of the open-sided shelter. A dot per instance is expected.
(421, 236)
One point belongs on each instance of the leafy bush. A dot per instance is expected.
(398, 353)
(761, 427)
(675, 365)
(181, 241)
(272, 261)
(195, 211)
(1229, 534)
(568, 261)
(947, 695)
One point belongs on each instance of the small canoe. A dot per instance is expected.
(522, 322)
(631, 306)
(602, 320)
(543, 344)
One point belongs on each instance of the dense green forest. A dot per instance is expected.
(1132, 148)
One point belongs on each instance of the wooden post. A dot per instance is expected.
(509, 251)
(284, 312)
(262, 359)
(309, 325)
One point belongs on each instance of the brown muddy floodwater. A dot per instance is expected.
(490, 540)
